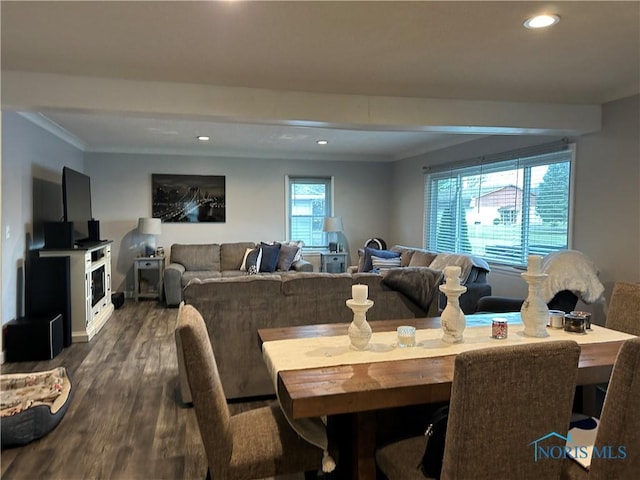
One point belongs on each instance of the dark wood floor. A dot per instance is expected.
(125, 420)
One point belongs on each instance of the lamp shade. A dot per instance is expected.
(332, 224)
(150, 226)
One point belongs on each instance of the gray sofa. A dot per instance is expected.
(204, 261)
(234, 308)
(235, 305)
(474, 270)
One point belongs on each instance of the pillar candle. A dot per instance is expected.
(360, 293)
(534, 264)
(452, 275)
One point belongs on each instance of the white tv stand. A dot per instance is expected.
(90, 269)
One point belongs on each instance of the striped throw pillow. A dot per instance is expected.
(385, 263)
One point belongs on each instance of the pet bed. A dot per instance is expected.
(32, 404)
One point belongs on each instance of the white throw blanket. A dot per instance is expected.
(571, 270)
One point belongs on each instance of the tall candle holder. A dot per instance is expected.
(534, 311)
(359, 330)
(452, 318)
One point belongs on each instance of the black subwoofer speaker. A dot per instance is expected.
(36, 338)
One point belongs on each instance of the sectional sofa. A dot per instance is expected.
(237, 304)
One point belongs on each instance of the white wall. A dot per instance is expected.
(607, 199)
(255, 191)
(32, 161)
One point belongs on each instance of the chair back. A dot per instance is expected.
(620, 419)
(209, 402)
(505, 403)
(624, 309)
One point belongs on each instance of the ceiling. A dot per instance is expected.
(448, 50)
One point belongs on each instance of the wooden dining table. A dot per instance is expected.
(349, 395)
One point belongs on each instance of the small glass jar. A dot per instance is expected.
(575, 323)
(499, 328)
(587, 318)
(406, 336)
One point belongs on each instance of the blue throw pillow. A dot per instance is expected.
(369, 252)
(270, 254)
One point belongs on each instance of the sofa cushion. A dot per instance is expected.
(189, 275)
(270, 255)
(286, 256)
(369, 252)
(231, 254)
(405, 254)
(421, 258)
(197, 257)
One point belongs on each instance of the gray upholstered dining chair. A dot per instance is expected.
(619, 422)
(503, 399)
(254, 444)
(624, 308)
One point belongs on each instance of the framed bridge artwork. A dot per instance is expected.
(188, 198)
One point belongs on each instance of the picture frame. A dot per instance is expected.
(188, 198)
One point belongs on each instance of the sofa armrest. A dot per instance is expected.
(173, 283)
(498, 304)
(352, 269)
(302, 266)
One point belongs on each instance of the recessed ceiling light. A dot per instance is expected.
(203, 138)
(541, 21)
(322, 142)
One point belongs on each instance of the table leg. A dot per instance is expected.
(352, 441)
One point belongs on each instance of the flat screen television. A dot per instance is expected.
(76, 201)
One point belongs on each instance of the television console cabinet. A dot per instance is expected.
(89, 287)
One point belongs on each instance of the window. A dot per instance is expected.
(309, 200)
(502, 208)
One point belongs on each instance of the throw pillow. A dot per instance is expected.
(270, 255)
(385, 263)
(421, 258)
(252, 261)
(286, 256)
(243, 263)
(293, 243)
(368, 252)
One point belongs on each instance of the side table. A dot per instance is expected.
(148, 273)
(333, 262)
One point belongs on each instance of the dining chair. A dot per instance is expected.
(624, 309)
(504, 402)
(619, 423)
(253, 444)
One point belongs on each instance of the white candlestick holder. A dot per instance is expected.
(534, 311)
(359, 330)
(452, 318)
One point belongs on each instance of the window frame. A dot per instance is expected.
(525, 158)
(329, 182)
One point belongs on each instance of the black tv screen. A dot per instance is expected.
(76, 200)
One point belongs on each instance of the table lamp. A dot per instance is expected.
(150, 227)
(332, 225)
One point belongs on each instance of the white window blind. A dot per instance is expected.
(309, 200)
(502, 207)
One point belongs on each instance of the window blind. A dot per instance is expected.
(502, 207)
